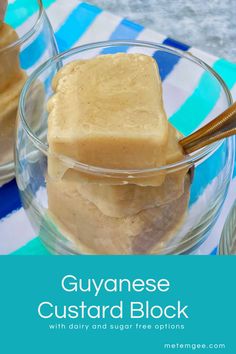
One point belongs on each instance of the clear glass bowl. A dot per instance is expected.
(32, 46)
(227, 244)
(75, 213)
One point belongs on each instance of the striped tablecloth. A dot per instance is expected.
(77, 23)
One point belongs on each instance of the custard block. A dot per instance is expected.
(120, 201)
(129, 199)
(8, 110)
(108, 112)
(175, 152)
(95, 233)
(9, 59)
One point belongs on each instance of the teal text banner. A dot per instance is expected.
(130, 304)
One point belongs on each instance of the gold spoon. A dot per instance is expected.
(219, 128)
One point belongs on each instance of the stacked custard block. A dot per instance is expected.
(12, 79)
(108, 112)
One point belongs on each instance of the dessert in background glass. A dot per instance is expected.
(26, 41)
(61, 210)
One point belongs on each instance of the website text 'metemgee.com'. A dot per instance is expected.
(194, 346)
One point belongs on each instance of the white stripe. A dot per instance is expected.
(59, 11)
(26, 26)
(233, 92)
(16, 231)
(101, 28)
(151, 36)
(206, 57)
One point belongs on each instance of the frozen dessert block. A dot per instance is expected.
(95, 233)
(129, 199)
(9, 59)
(8, 110)
(174, 150)
(108, 112)
(119, 201)
(11, 83)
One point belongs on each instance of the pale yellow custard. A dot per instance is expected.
(112, 105)
(124, 200)
(95, 233)
(11, 83)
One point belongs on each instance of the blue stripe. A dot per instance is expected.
(176, 44)
(214, 252)
(19, 11)
(32, 54)
(167, 61)
(201, 102)
(227, 71)
(197, 106)
(9, 199)
(34, 247)
(76, 24)
(125, 30)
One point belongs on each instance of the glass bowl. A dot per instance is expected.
(84, 209)
(227, 244)
(31, 44)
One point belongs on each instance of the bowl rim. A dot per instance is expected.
(75, 164)
(29, 33)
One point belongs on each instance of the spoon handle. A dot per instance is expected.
(219, 128)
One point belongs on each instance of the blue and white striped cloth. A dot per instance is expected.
(77, 23)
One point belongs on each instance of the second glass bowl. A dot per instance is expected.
(31, 44)
(61, 210)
